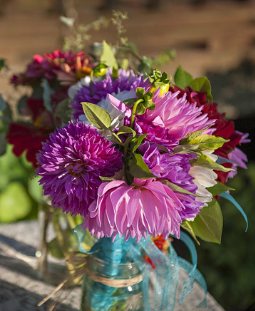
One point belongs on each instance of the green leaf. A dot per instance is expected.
(140, 109)
(145, 66)
(209, 223)
(186, 225)
(126, 130)
(182, 78)
(202, 85)
(100, 70)
(136, 142)
(189, 136)
(55, 249)
(140, 91)
(139, 168)
(149, 105)
(15, 203)
(106, 179)
(176, 188)
(219, 188)
(124, 64)
(47, 92)
(3, 144)
(97, 116)
(206, 142)
(205, 161)
(108, 57)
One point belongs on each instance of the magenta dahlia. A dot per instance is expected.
(145, 207)
(71, 163)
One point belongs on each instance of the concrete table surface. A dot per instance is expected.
(21, 290)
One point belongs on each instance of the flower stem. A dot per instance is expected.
(134, 111)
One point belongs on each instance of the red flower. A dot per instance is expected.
(29, 137)
(224, 127)
(65, 67)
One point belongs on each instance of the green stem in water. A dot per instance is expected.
(59, 232)
(70, 221)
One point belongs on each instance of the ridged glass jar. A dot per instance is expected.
(111, 286)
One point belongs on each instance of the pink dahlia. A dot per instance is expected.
(145, 207)
(171, 120)
(71, 162)
(174, 114)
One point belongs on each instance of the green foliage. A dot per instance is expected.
(136, 142)
(126, 130)
(219, 188)
(97, 116)
(208, 224)
(207, 142)
(108, 57)
(176, 188)
(139, 168)
(17, 191)
(229, 268)
(205, 161)
(202, 85)
(186, 226)
(182, 78)
(56, 249)
(14, 203)
(145, 66)
(163, 58)
(100, 70)
(124, 64)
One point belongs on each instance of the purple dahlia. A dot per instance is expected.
(126, 81)
(71, 162)
(174, 168)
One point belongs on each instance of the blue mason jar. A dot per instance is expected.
(111, 286)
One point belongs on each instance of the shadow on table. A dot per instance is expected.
(15, 298)
(18, 246)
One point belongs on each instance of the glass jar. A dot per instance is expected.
(111, 286)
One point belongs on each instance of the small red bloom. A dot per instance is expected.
(64, 67)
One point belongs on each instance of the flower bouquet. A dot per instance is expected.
(142, 156)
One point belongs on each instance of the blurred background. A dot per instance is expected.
(215, 38)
